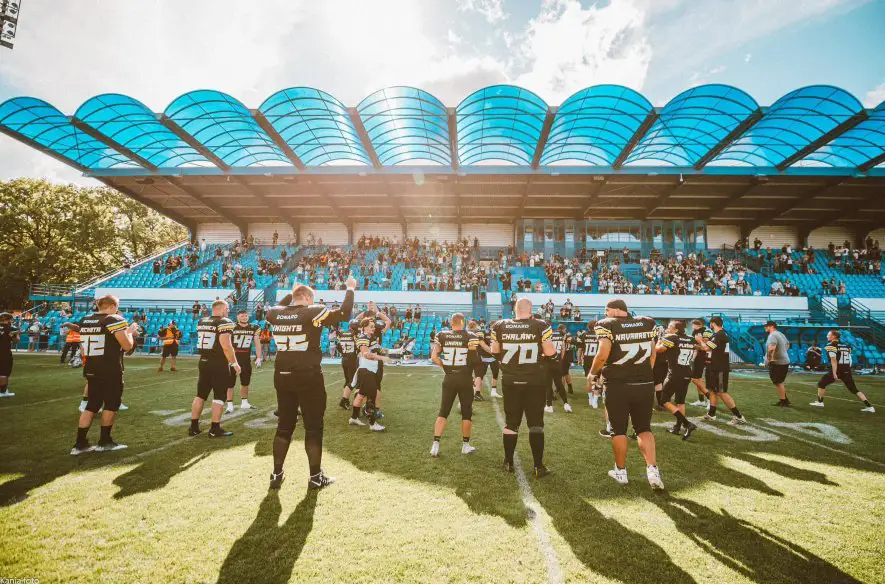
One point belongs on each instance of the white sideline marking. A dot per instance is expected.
(125, 388)
(821, 445)
(536, 512)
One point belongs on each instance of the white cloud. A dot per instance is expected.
(454, 38)
(717, 70)
(492, 10)
(747, 57)
(875, 96)
(567, 48)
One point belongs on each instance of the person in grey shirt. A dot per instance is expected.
(778, 361)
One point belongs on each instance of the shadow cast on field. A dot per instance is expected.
(267, 552)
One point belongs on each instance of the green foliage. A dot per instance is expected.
(64, 234)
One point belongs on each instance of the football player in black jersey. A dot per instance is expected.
(104, 336)
(382, 324)
(245, 335)
(678, 351)
(8, 340)
(840, 362)
(660, 371)
(481, 365)
(370, 359)
(567, 359)
(217, 365)
(588, 346)
(520, 344)
(699, 332)
(718, 368)
(625, 360)
(553, 371)
(298, 376)
(346, 342)
(455, 351)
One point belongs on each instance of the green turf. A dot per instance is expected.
(790, 506)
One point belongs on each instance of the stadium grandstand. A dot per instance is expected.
(707, 202)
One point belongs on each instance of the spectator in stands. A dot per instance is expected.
(276, 238)
(157, 266)
(214, 279)
(196, 309)
(204, 280)
(417, 313)
(577, 314)
(204, 310)
(259, 312)
(813, 357)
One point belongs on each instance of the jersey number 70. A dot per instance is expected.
(528, 352)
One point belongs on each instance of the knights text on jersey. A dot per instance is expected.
(520, 341)
(718, 345)
(632, 341)
(842, 353)
(296, 331)
(458, 351)
(680, 354)
(244, 335)
(99, 344)
(209, 332)
(347, 344)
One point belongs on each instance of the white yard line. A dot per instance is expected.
(777, 431)
(537, 515)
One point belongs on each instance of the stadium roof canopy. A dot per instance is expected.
(814, 157)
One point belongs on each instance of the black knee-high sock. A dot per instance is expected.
(735, 411)
(660, 396)
(536, 440)
(3, 388)
(509, 446)
(571, 390)
(680, 419)
(712, 411)
(356, 412)
(313, 446)
(281, 442)
(105, 436)
(81, 435)
(562, 394)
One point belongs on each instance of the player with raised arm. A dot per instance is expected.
(369, 347)
(717, 372)
(553, 371)
(839, 356)
(626, 361)
(678, 351)
(481, 365)
(218, 364)
(245, 334)
(298, 376)
(700, 332)
(346, 341)
(382, 324)
(455, 351)
(521, 342)
(8, 339)
(104, 337)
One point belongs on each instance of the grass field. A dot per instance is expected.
(795, 497)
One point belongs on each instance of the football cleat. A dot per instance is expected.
(356, 422)
(619, 475)
(868, 409)
(710, 418)
(816, 403)
(606, 434)
(654, 477)
(218, 433)
(467, 449)
(79, 449)
(567, 407)
(542, 471)
(548, 409)
(477, 397)
(688, 431)
(229, 409)
(737, 420)
(246, 405)
(377, 428)
(700, 403)
(109, 446)
(594, 400)
(276, 480)
(319, 481)
(495, 393)
(434, 449)
(194, 431)
(122, 407)
(344, 404)
(783, 403)
(7, 394)
(508, 466)
(675, 430)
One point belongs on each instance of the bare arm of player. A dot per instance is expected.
(386, 320)
(124, 337)
(365, 353)
(548, 348)
(769, 356)
(660, 348)
(434, 355)
(227, 347)
(485, 347)
(835, 366)
(257, 340)
(605, 349)
(71, 326)
(700, 339)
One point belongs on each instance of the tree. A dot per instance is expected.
(63, 234)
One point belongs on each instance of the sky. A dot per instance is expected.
(66, 51)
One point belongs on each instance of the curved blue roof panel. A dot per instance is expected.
(692, 124)
(792, 123)
(225, 127)
(499, 123)
(130, 123)
(48, 127)
(315, 125)
(406, 124)
(595, 125)
(857, 146)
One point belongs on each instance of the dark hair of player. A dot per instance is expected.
(243, 312)
(471, 326)
(679, 325)
(591, 324)
(366, 322)
(698, 322)
(106, 302)
(716, 321)
(354, 325)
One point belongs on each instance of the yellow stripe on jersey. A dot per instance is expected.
(667, 343)
(604, 332)
(223, 327)
(121, 324)
(547, 334)
(830, 349)
(708, 334)
(473, 344)
(321, 317)
(362, 343)
(711, 344)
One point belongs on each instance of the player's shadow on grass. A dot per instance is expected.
(786, 470)
(267, 552)
(749, 550)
